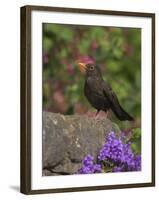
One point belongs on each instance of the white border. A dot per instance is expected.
(52, 182)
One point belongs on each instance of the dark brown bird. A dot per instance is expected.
(99, 94)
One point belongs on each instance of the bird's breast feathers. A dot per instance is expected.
(94, 92)
(93, 84)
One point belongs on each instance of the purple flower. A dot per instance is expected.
(89, 167)
(119, 154)
(116, 155)
(118, 169)
(112, 149)
(138, 162)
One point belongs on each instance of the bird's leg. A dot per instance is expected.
(107, 113)
(102, 115)
(96, 115)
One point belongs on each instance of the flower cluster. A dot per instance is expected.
(120, 154)
(115, 155)
(89, 167)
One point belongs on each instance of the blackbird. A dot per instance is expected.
(99, 93)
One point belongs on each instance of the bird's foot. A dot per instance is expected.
(101, 115)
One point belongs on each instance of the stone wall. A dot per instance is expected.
(68, 139)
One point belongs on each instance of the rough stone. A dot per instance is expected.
(67, 139)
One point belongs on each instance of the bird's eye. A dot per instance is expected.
(91, 68)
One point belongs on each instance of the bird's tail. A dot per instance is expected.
(122, 114)
(117, 109)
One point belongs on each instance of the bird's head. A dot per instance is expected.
(89, 69)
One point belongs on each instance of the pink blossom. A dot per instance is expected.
(86, 59)
(45, 58)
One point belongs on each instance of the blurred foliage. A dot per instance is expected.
(136, 140)
(116, 50)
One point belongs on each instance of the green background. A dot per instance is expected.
(116, 50)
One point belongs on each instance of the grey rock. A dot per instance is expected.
(67, 139)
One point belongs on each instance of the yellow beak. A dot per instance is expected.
(82, 67)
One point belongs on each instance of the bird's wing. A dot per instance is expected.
(114, 103)
(110, 95)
